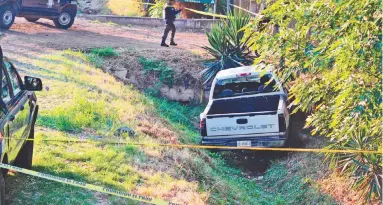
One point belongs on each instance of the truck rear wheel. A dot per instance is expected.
(32, 19)
(65, 20)
(7, 15)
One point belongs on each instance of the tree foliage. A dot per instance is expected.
(329, 53)
(156, 10)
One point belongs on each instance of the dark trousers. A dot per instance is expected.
(169, 27)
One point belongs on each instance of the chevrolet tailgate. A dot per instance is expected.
(242, 116)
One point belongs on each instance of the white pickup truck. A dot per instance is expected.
(247, 108)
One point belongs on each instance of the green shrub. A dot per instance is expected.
(96, 55)
(105, 52)
(160, 70)
(365, 169)
(95, 60)
(330, 52)
(156, 10)
(154, 91)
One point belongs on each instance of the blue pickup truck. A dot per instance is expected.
(18, 113)
(62, 12)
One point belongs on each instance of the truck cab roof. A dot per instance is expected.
(254, 70)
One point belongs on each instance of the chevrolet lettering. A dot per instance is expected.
(248, 127)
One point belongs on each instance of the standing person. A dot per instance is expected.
(170, 16)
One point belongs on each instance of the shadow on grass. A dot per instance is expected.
(23, 189)
(182, 117)
(28, 190)
(23, 67)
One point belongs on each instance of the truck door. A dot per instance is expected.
(6, 98)
(40, 7)
(4, 124)
(19, 113)
(29, 3)
(30, 7)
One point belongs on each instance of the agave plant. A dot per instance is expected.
(365, 169)
(229, 45)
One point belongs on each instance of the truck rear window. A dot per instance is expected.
(245, 105)
(246, 85)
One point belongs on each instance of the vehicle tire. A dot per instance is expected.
(7, 17)
(32, 19)
(65, 20)
(25, 156)
(2, 189)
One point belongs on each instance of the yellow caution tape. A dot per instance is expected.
(92, 187)
(206, 13)
(214, 147)
(210, 14)
(243, 9)
(192, 10)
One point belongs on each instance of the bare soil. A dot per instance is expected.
(186, 59)
(86, 34)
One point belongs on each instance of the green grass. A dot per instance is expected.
(286, 188)
(105, 52)
(96, 55)
(159, 69)
(96, 60)
(83, 101)
(28, 190)
(80, 114)
(180, 117)
(109, 165)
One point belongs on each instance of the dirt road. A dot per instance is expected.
(43, 36)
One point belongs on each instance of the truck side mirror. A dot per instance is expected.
(33, 84)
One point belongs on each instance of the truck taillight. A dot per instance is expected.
(202, 127)
(282, 123)
(243, 74)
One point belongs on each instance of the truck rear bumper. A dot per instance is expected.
(271, 140)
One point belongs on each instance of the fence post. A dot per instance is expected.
(228, 6)
(215, 8)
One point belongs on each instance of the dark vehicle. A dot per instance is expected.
(18, 112)
(62, 12)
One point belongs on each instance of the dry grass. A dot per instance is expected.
(339, 188)
(159, 132)
(125, 8)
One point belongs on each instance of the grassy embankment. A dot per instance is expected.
(80, 101)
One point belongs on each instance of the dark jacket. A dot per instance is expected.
(170, 14)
